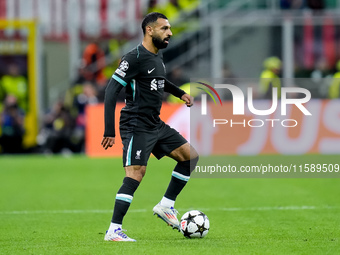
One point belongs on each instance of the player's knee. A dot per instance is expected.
(187, 166)
(136, 172)
(142, 171)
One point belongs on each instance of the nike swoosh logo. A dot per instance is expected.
(150, 71)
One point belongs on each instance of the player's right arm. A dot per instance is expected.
(127, 70)
(111, 93)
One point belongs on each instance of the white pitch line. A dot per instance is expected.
(229, 209)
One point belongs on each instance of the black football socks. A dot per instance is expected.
(180, 177)
(123, 199)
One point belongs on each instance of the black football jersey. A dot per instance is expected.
(142, 73)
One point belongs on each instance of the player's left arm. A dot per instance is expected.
(189, 100)
(177, 92)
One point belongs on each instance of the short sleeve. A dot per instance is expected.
(127, 69)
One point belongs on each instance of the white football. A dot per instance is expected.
(194, 224)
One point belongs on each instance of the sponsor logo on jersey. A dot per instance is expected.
(161, 84)
(157, 84)
(153, 84)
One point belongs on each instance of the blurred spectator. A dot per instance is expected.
(334, 89)
(153, 6)
(13, 83)
(270, 77)
(114, 50)
(11, 122)
(79, 95)
(56, 136)
(170, 9)
(64, 125)
(94, 63)
(87, 96)
(227, 73)
(71, 95)
(188, 5)
(320, 71)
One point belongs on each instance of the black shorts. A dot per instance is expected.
(139, 143)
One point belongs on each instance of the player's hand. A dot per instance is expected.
(189, 100)
(108, 142)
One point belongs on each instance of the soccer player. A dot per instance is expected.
(142, 73)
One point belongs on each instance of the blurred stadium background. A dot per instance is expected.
(55, 59)
(57, 55)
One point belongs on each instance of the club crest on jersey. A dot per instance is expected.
(138, 152)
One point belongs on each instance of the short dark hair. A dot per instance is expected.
(151, 18)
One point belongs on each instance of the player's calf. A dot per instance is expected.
(180, 176)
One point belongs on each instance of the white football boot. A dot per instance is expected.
(118, 236)
(169, 215)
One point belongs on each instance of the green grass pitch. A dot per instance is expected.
(57, 205)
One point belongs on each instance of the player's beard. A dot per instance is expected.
(159, 43)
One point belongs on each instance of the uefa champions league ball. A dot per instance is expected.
(194, 224)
